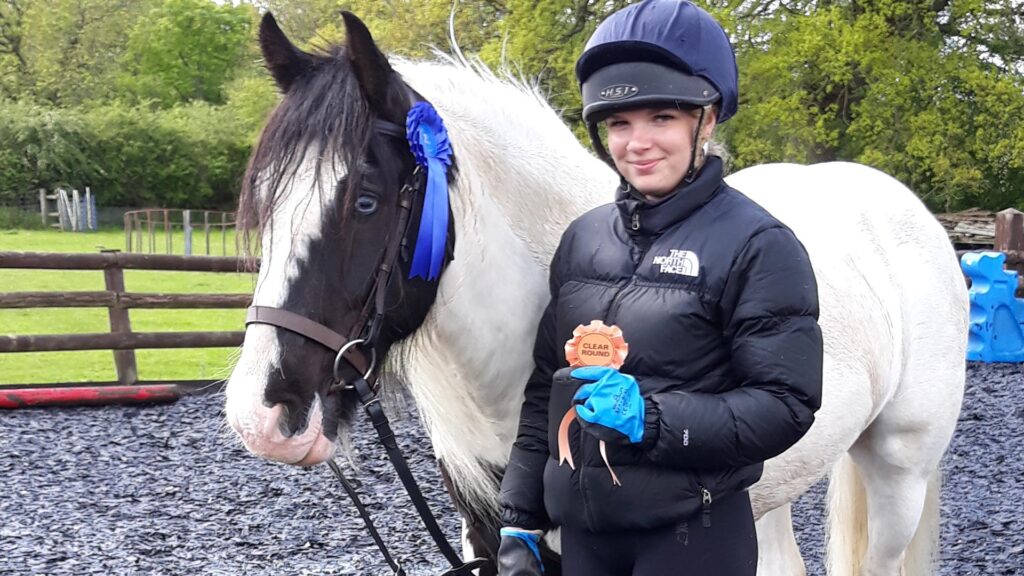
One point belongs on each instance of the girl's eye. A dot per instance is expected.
(663, 117)
(616, 123)
(366, 204)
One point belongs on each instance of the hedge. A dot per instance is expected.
(185, 157)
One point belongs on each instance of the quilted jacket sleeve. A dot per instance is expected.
(522, 488)
(770, 313)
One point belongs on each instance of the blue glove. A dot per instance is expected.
(611, 408)
(519, 553)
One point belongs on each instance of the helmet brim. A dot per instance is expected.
(629, 85)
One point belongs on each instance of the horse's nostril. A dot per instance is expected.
(293, 419)
(284, 421)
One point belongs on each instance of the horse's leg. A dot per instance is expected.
(884, 499)
(479, 536)
(900, 503)
(898, 455)
(898, 458)
(777, 550)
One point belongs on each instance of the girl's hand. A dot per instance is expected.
(611, 408)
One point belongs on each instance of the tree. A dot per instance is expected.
(70, 48)
(12, 56)
(892, 84)
(185, 51)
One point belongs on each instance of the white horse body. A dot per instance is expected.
(893, 313)
(893, 306)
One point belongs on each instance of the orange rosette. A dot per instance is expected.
(596, 344)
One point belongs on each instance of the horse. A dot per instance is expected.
(323, 196)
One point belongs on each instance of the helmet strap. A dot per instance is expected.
(595, 140)
(692, 171)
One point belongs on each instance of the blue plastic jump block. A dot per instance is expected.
(996, 331)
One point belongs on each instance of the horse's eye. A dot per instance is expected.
(366, 204)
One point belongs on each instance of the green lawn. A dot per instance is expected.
(86, 366)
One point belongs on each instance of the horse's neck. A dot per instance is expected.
(522, 178)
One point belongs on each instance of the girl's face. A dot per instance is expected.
(651, 147)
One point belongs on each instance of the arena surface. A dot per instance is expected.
(168, 490)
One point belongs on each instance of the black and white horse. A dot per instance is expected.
(322, 191)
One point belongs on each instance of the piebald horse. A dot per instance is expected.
(322, 190)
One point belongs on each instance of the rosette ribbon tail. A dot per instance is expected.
(431, 239)
(428, 142)
(564, 452)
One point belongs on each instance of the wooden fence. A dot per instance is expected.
(121, 339)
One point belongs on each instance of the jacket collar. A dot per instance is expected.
(654, 219)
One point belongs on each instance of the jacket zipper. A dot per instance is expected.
(635, 225)
(642, 247)
(705, 499)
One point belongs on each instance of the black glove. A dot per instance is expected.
(519, 553)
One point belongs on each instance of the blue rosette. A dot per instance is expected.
(428, 141)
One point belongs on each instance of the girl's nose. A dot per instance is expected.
(639, 139)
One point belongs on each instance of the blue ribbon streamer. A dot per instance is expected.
(428, 141)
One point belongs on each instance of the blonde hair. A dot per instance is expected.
(714, 147)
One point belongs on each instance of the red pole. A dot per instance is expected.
(88, 395)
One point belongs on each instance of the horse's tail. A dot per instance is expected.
(920, 556)
(847, 519)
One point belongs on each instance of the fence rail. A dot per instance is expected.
(121, 339)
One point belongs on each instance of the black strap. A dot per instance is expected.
(390, 128)
(387, 437)
(365, 515)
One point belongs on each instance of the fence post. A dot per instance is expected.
(186, 225)
(124, 360)
(42, 205)
(1009, 230)
(76, 211)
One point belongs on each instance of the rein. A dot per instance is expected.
(351, 349)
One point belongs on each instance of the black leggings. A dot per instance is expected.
(727, 548)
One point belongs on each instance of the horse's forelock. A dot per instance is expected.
(323, 116)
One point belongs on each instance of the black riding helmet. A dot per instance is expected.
(657, 52)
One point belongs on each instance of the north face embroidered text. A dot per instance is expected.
(681, 262)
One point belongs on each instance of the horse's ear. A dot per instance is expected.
(285, 62)
(370, 65)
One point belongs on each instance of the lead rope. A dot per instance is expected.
(371, 404)
(396, 568)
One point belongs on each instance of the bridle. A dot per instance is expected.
(362, 337)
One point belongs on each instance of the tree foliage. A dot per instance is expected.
(930, 91)
(910, 87)
(185, 51)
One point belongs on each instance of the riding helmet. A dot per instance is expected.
(657, 51)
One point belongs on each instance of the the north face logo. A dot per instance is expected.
(681, 262)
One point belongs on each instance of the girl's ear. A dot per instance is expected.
(710, 121)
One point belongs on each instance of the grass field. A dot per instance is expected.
(187, 364)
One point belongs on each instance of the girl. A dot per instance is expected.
(717, 302)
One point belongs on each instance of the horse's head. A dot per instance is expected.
(325, 192)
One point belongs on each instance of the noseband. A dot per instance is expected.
(351, 349)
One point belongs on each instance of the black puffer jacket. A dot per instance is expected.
(719, 305)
